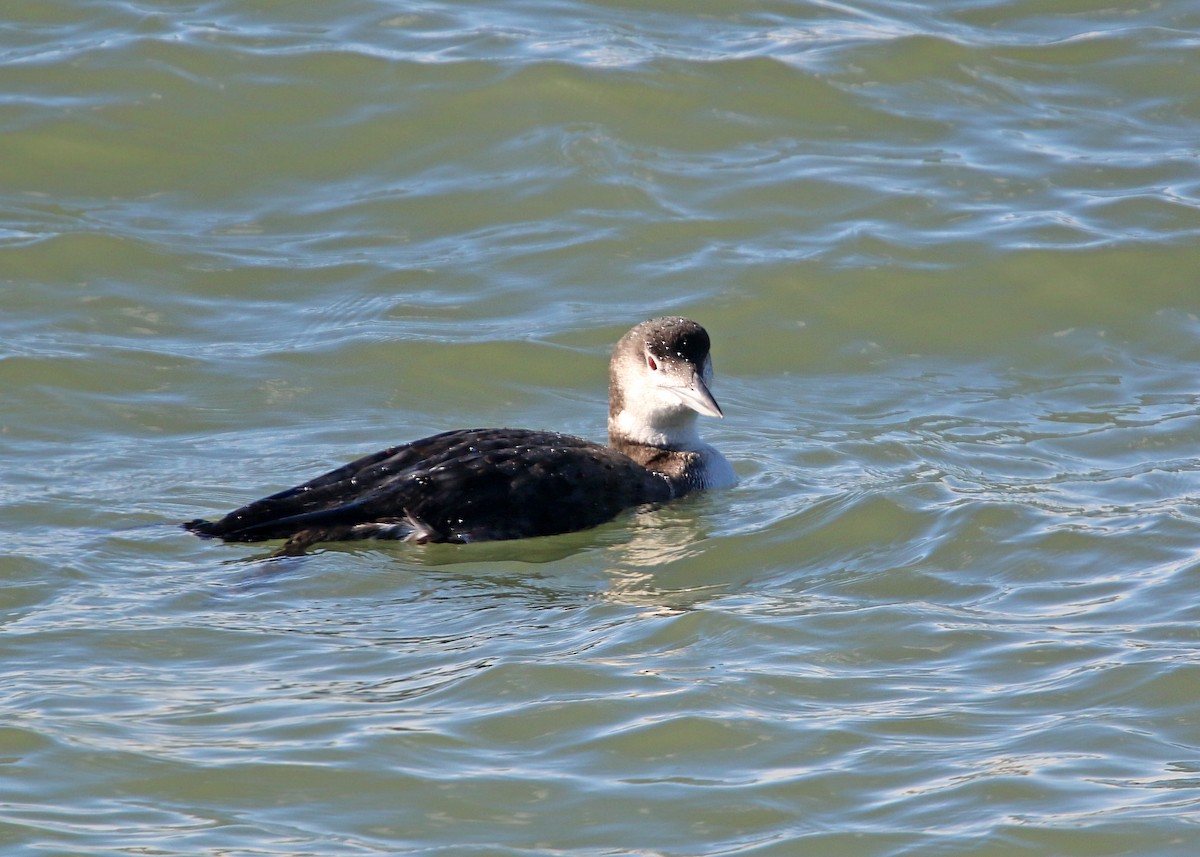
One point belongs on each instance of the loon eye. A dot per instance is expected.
(650, 362)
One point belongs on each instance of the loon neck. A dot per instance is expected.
(627, 428)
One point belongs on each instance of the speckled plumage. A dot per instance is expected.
(491, 484)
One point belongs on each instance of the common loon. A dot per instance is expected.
(488, 484)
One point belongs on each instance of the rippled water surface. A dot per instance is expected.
(947, 253)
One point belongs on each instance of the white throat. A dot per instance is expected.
(649, 426)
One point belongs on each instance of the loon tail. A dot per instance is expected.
(341, 524)
(204, 529)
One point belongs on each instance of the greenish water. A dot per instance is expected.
(947, 253)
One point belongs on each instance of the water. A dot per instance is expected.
(947, 254)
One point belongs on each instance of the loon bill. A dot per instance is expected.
(487, 484)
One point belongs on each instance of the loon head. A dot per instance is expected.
(658, 383)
